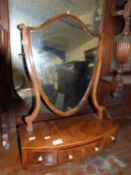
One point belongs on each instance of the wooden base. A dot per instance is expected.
(58, 141)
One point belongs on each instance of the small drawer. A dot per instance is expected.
(47, 158)
(79, 152)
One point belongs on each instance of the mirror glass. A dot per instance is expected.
(64, 56)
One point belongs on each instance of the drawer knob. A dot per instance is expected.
(96, 148)
(40, 158)
(70, 157)
(112, 138)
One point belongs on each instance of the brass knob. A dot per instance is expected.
(96, 148)
(70, 157)
(40, 158)
(112, 138)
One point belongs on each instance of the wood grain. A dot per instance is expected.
(71, 135)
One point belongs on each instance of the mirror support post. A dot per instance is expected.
(100, 109)
(30, 118)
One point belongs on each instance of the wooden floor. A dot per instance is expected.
(115, 160)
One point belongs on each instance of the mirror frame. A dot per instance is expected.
(37, 88)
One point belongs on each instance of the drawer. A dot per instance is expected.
(47, 158)
(79, 152)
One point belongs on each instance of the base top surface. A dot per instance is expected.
(67, 132)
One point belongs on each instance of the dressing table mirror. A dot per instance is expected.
(63, 59)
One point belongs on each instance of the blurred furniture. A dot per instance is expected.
(72, 73)
(4, 93)
(113, 83)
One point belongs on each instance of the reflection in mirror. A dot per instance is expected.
(64, 56)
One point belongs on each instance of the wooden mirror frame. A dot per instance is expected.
(37, 88)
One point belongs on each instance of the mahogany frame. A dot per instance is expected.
(37, 88)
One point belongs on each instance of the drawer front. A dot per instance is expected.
(79, 152)
(47, 158)
(30, 157)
